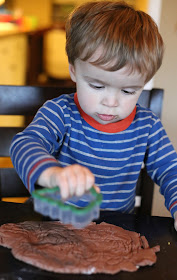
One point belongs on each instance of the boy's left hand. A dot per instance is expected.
(175, 220)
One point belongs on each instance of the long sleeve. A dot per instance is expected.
(161, 164)
(34, 149)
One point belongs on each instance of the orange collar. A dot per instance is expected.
(111, 127)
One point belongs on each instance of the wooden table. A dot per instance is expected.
(158, 230)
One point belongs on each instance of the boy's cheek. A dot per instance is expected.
(88, 102)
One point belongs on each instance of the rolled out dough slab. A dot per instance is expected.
(98, 248)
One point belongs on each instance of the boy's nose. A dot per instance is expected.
(110, 101)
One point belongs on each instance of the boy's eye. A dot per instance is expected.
(128, 92)
(96, 86)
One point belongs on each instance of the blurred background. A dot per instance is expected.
(32, 51)
(32, 46)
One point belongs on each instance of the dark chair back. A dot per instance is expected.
(25, 101)
(19, 101)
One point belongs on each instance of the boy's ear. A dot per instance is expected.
(72, 72)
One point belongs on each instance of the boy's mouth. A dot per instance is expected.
(106, 117)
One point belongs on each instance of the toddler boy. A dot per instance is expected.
(100, 135)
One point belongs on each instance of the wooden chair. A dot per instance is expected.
(25, 101)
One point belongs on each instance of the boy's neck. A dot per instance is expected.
(111, 127)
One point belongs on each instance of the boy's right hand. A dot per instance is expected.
(72, 180)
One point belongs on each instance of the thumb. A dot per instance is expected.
(175, 221)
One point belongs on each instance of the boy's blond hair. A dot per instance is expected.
(125, 36)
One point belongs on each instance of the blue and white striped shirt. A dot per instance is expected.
(61, 135)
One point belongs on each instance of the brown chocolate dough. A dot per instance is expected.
(98, 248)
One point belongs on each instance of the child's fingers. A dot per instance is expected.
(97, 189)
(81, 182)
(85, 181)
(74, 180)
(62, 182)
(175, 225)
(175, 220)
(90, 180)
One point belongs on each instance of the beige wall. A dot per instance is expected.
(167, 78)
(167, 75)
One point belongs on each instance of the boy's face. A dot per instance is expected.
(106, 96)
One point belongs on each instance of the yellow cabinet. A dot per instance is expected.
(13, 59)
